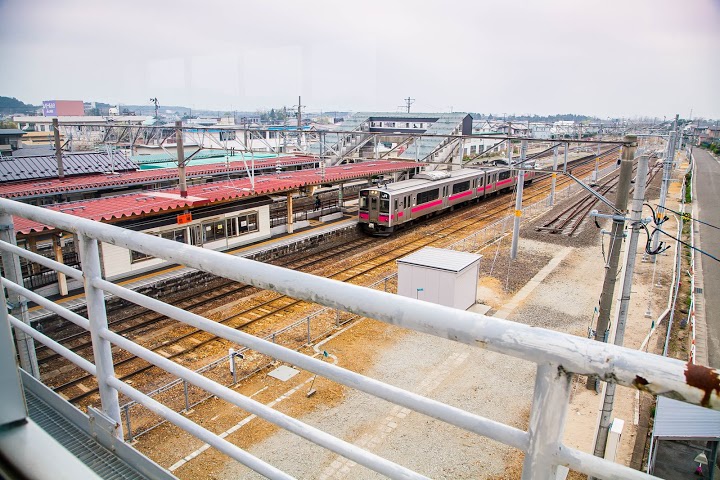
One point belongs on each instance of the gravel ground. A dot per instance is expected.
(449, 372)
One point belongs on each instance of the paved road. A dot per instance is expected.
(708, 192)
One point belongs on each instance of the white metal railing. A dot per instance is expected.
(558, 356)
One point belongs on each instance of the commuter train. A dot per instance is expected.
(384, 209)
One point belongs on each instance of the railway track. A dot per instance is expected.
(571, 218)
(189, 346)
(124, 325)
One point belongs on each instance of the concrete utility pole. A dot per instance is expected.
(673, 142)
(616, 238)
(635, 220)
(554, 175)
(58, 149)
(518, 201)
(181, 157)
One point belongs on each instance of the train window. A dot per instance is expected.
(429, 196)
(461, 187)
(396, 204)
(384, 206)
(480, 182)
(373, 203)
(177, 235)
(363, 205)
(213, 231)
(252, 222)
(504, 175)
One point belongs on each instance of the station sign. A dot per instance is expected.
(184, 218)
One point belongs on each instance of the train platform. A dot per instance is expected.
(314, 230)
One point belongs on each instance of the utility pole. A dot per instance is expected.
(409, 101)
(155, 101)
(554, 175)
(616, 238)
(635, 222)
(299, 121)
(181, 157)
(58, 149)
(518, 201)
(673, 142)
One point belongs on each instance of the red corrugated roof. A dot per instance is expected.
(111, 209)
(85, 182)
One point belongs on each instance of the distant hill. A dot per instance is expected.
(11, 105)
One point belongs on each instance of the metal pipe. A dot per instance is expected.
(54, 346)
(45, 261)
(97, 315)
(78, 320)
(599, 467)
(551, 401)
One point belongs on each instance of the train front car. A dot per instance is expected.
(374, 213)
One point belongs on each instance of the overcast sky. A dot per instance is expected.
(604, 58)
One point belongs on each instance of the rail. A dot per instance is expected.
(558, 356)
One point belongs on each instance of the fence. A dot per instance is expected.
(558, 356)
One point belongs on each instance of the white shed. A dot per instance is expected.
(436, 275)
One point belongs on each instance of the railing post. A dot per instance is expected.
(12, 399)
(102, 349)
(551, 400)
(11, 265)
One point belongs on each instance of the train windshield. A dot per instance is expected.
(363, 203)
(384, 205)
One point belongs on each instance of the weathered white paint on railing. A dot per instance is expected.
(558, 355)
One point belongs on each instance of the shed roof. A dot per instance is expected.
(441, 259)
(45, 166)
(24, 189)
(678, 420)
(11, 131)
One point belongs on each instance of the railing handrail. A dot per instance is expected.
(557, 354)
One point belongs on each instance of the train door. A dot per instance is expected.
(374, 206)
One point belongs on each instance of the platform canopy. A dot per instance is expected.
(675, 420)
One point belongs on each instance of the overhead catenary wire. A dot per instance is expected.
(687, 216)
(688, 245)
